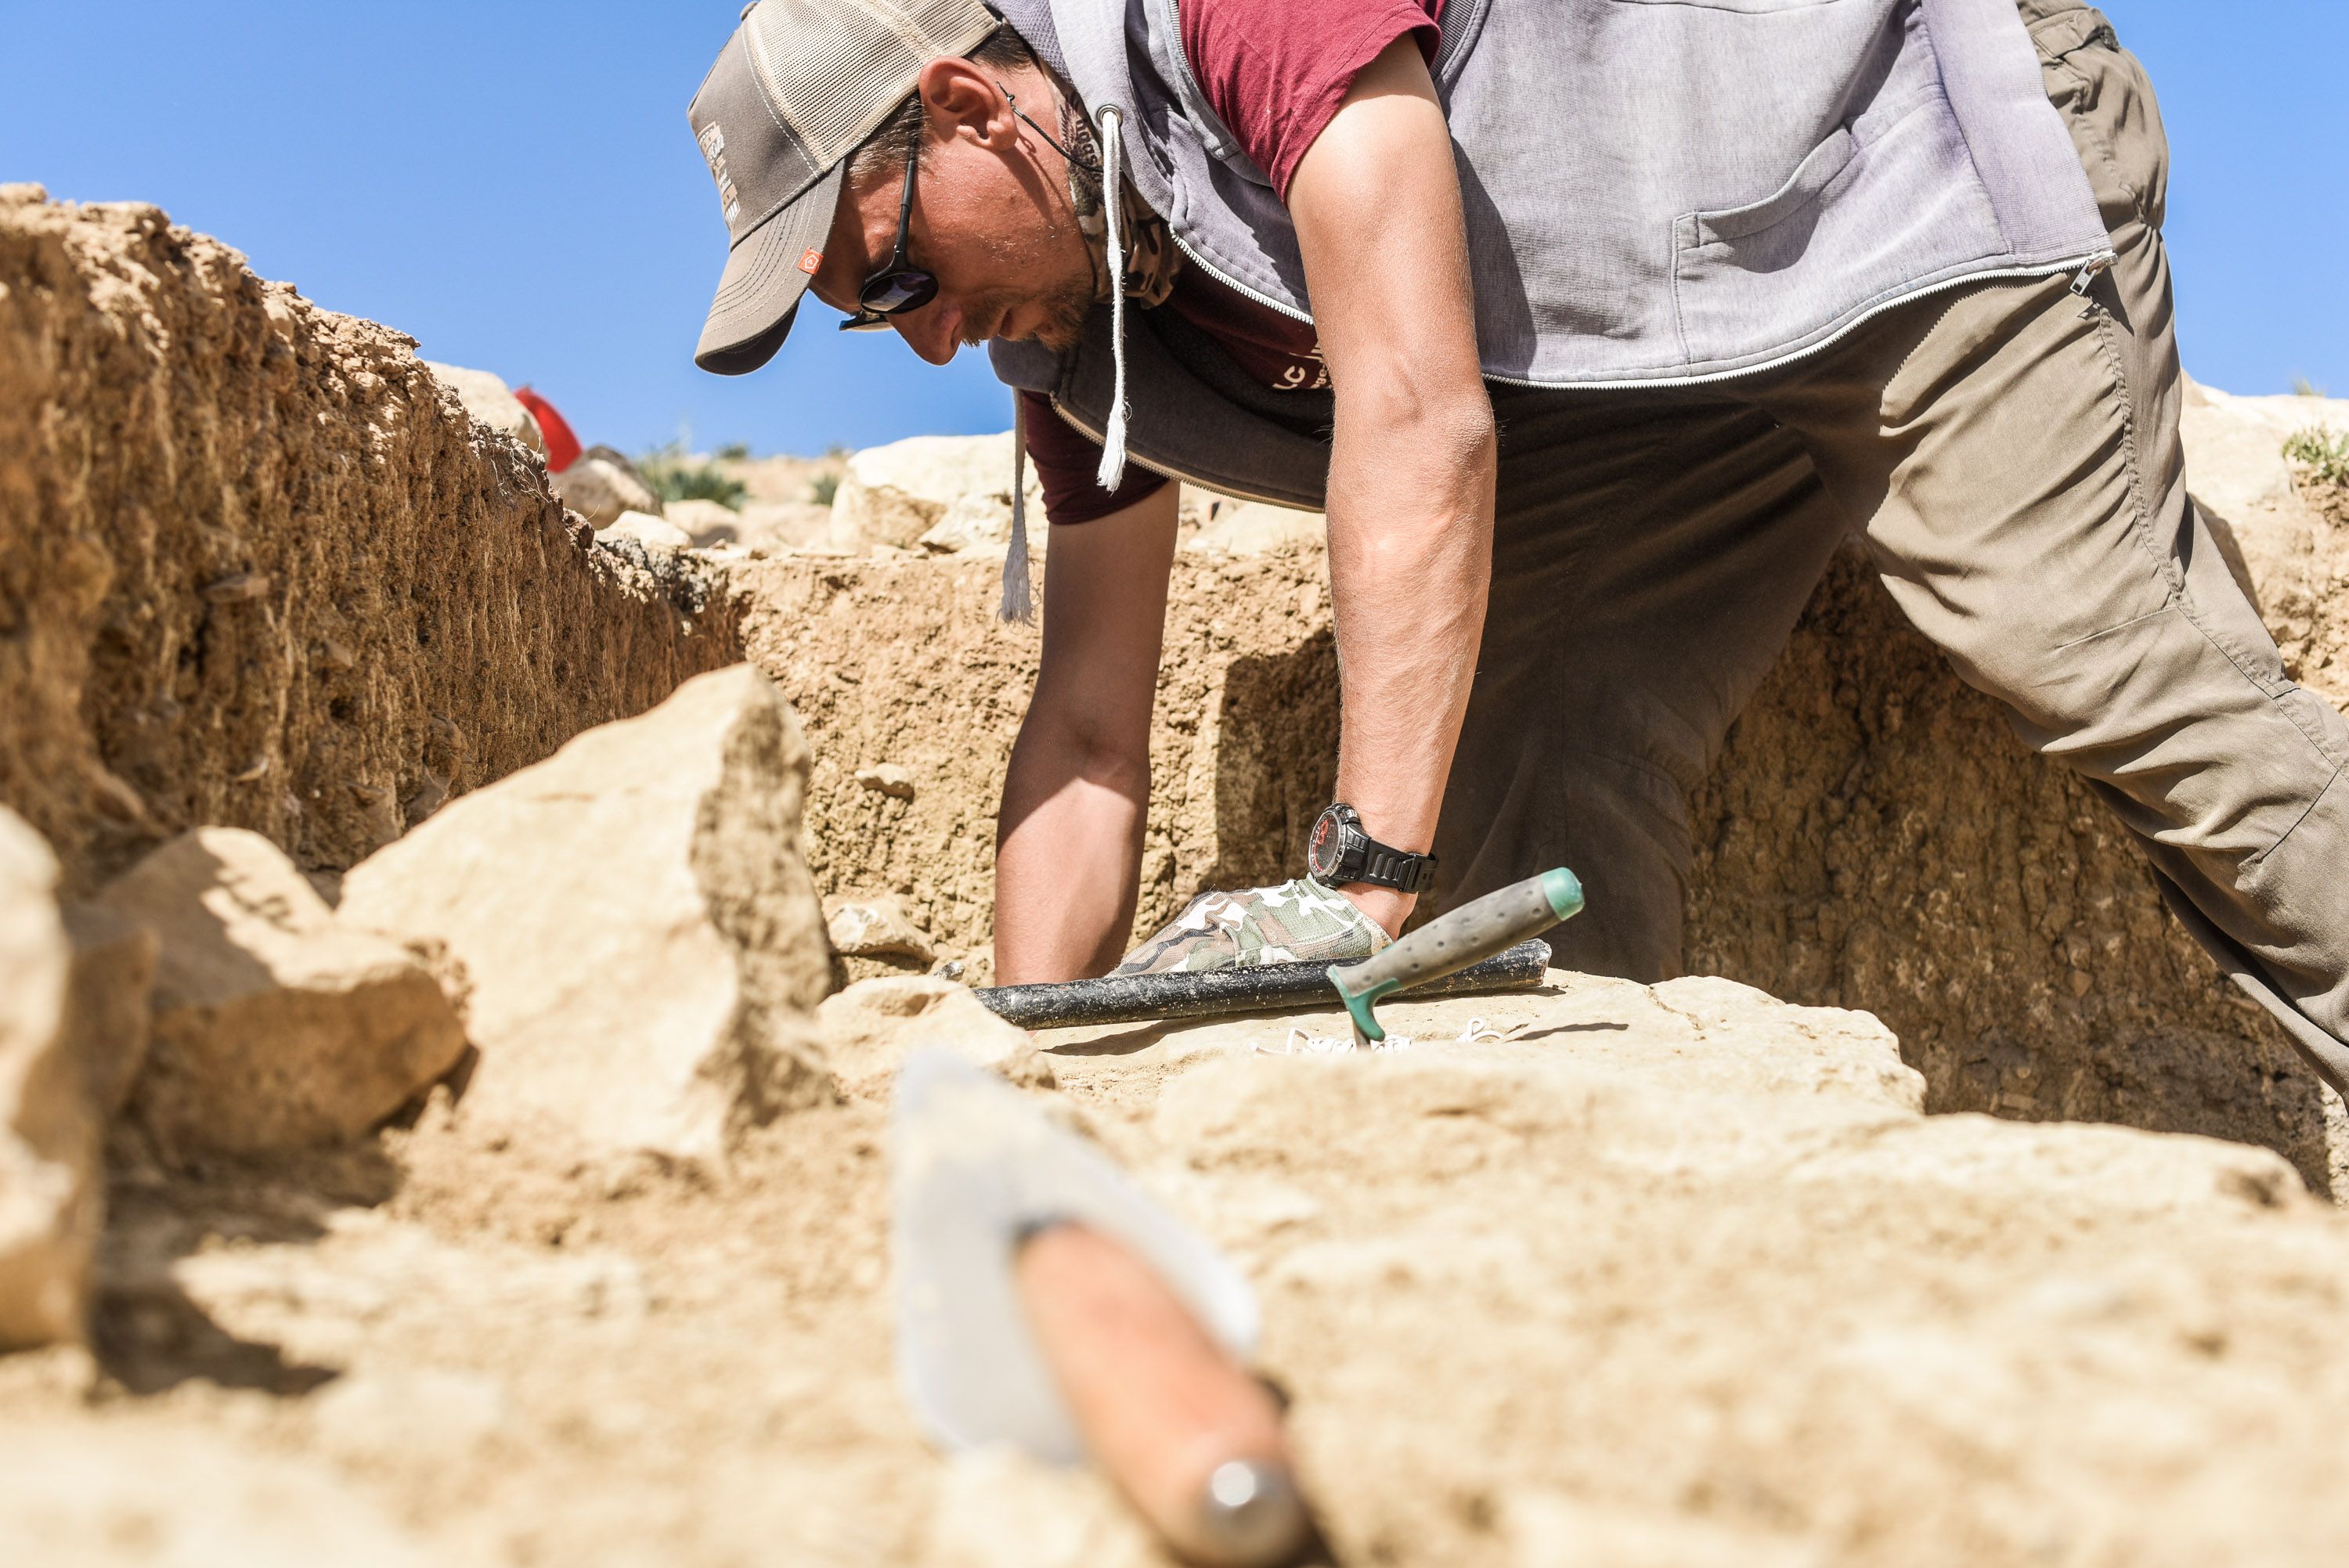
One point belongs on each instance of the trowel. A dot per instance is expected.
(1045, 1301)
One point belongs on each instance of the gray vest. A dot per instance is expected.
(1658, 193)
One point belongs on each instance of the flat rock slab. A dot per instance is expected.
(1681, 1274)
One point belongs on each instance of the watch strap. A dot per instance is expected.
(1384, 867)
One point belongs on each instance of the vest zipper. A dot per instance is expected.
(2095, 267)
(1233, 283)
(2087, 267)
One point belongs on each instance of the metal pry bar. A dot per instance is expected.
(1214, 992)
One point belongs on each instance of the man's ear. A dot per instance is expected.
(960, 100)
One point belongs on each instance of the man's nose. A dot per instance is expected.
(934, 332)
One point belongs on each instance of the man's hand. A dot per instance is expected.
(1376, 200)
(1297, 922)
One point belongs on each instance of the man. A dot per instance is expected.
(1595, 326)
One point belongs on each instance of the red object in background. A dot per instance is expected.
(562, 446)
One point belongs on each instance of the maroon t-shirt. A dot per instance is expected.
(1275, 71)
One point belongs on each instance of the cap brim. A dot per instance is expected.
(759, 291)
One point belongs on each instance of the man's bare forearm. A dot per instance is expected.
(1412, 464)
(1411, 548)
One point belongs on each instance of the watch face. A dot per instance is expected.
(1323, 848)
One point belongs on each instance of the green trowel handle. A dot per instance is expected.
(1469, 935)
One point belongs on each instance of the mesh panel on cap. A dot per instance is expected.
(837, 68)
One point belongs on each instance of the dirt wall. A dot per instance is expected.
(1874, 838)
(899, 661)
(258, 569)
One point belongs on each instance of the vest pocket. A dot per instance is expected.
(1733, 253)
(1869, 211)
(1810, 181)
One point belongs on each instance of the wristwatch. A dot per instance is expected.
(1340, 852)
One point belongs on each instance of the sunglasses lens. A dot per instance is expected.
(909, 289)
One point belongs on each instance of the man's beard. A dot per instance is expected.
(1065, 309)
(1064, 320)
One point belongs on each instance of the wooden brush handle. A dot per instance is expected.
(1184, 1433)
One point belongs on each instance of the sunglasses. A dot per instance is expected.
(902, 286)
(899, 285)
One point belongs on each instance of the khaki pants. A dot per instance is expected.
(2009, 454)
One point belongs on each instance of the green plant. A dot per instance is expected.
(2302, 387)
(676, 474)
(822, 487)
(2323, 453)
(734, 452)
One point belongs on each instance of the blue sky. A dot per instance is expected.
(513, 185)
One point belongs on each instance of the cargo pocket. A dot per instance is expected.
(2108, 104)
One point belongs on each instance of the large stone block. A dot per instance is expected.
(635, 924)
(276, 1026)
(49, 1193)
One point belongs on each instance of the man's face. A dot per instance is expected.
(991, 222)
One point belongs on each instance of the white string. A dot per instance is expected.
(1298, 1043)
(1113, 463)
(1019, 597)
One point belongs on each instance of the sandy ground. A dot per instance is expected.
(1676, 1276)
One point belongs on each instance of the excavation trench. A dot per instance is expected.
(1600, 1272)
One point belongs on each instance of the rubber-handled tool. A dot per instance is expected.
(1193, 1442)
(1469, 935)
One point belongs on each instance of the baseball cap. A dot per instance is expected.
(797, 88)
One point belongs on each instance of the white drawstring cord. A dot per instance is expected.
(1113, 463)
(1019, 598)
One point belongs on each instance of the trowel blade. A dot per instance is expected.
(977, 1169)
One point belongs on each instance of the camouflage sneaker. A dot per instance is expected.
(1301, 921)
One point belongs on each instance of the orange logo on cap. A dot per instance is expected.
(810, 260)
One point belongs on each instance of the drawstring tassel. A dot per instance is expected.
(1019, 598)
(1113, 463)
